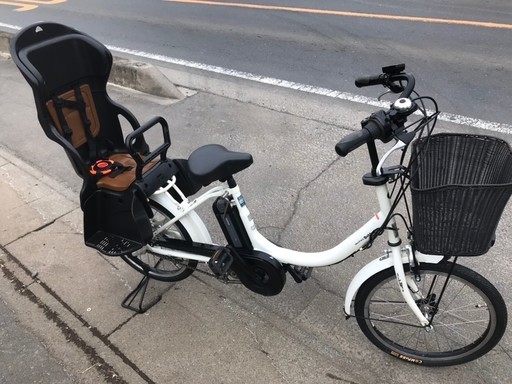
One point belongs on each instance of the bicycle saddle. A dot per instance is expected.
(213, 162)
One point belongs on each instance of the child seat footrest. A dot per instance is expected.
(112, 245)
(116, 223)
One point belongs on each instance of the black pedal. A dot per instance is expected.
(221, 261)
(299, 274)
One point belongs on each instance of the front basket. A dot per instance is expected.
(460, 185)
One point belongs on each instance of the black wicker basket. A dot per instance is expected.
(460, 185)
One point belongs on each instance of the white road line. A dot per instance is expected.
(449, 117)
(10, 26)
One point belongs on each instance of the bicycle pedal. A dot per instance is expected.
(221, 261)
(299, 274)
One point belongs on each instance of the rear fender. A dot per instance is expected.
(192, 222)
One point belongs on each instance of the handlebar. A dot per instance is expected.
(351, 142)
(383, 124)
(368, 81)
(392, 78)
(372, 130)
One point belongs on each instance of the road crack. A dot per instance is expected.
(299, 197)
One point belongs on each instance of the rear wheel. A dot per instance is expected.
(469, 321)
(159, 267)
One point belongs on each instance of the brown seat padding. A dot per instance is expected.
(73, 118)
(122, 181)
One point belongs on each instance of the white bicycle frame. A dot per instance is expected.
(396, 257)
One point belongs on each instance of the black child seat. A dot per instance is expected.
(68, 72)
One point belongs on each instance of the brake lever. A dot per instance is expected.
(395, 88)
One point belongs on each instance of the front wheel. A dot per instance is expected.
(469, 321)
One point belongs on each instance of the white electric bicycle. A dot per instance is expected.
(414, 302)
(421, 308)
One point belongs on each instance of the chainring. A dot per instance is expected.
(266, 277)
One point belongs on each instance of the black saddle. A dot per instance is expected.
(213, 162)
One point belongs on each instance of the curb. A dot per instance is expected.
(143, 77)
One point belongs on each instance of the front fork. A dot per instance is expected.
(406, 284)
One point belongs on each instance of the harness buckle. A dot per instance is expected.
(102, 167)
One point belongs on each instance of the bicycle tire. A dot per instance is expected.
(156, 267)
(456, 337)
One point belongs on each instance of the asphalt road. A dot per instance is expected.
(466, 67)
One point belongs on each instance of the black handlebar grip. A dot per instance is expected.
(368, 81)
(352, 141)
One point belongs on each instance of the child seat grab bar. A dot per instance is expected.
(160, 151)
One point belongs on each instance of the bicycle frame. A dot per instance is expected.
(352, 244)
(348, 247)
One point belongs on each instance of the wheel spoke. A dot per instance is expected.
(161, 267)
(468, 321)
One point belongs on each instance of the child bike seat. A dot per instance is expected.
(68, 72)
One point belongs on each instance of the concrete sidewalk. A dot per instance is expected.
(60, 301)
(69, 297)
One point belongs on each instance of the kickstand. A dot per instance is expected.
(140, 291)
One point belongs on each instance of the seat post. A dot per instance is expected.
(231, 182)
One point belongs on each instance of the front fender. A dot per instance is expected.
(375, 267)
